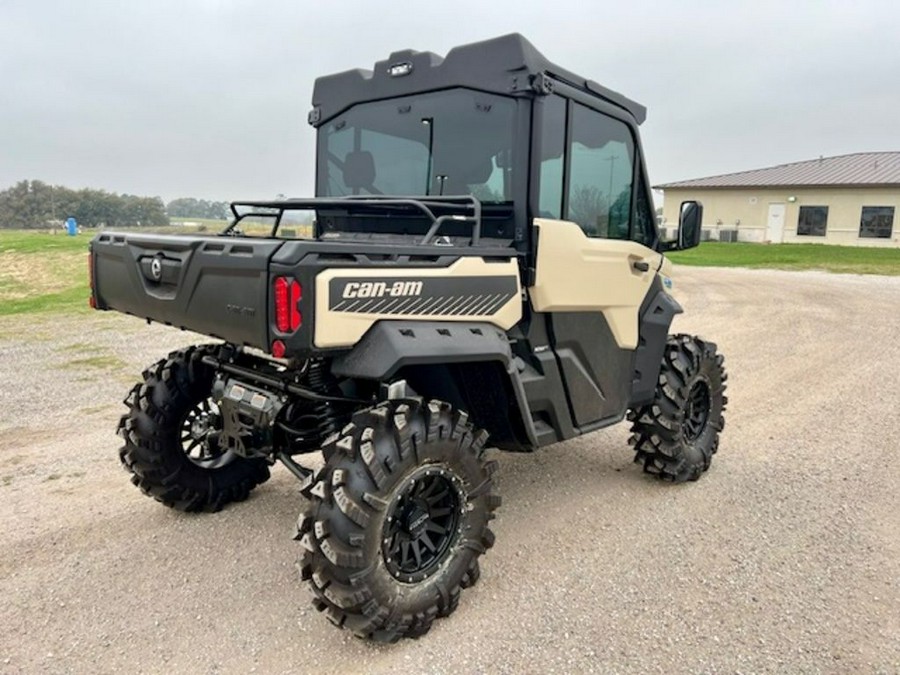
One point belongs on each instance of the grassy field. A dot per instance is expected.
(844, 259)
(42, 272)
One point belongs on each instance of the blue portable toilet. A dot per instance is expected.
(71, 227)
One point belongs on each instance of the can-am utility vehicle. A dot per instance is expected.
(480, 263)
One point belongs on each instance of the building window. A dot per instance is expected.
(812, 220)
(876, 221)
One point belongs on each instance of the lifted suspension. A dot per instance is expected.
(320, 413)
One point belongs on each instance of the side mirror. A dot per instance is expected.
(690, 222)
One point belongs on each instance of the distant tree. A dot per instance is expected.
(189, 207)
(589, 208)
(25, 205)
(34, 204)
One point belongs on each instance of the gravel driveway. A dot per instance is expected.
(784, 557)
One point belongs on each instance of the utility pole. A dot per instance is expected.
(429, 122)
(612, 166)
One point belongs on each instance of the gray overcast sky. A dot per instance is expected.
(209, 98)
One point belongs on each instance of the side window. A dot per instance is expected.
(876, 221)
(553, 145)
(644, 231)
(812, 220)
(601, 166)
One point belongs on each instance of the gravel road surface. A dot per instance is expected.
(785, 557)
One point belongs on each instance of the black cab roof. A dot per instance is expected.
(508, 65)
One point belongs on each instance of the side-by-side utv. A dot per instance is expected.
(480, 265)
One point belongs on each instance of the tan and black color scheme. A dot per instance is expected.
(349, 302)
(480, 266)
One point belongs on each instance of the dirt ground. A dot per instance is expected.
(784, 557)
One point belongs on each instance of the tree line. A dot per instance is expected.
(33, 204)
(188, 207)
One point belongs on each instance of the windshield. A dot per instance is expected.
(453, 142)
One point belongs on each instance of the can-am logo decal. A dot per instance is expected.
(381, 289)
(444, 296)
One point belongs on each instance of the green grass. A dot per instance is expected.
(842, 259)
(96, 362)
(25, 241)
(42, 272)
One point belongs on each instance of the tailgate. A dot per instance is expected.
(212, 285)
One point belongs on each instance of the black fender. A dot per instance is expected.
(656, 318)
(390, 346)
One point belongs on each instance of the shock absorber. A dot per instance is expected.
(320, 379)
(305, 424)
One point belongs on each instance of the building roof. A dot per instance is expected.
(862, 169)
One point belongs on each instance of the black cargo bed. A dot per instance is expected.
(212, 285)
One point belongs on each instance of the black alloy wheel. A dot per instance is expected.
(200, 436)
(422, 524)
(696, 414)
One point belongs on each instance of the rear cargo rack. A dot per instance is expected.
(468, 207)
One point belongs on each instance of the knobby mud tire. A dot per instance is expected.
(371, 462)
(666, 443)
(153, 452)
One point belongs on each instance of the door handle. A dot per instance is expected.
(641, 265)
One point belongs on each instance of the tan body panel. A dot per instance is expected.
(577, 273)
(344, 328)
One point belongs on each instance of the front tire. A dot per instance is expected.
(676, 435)
(397, 519)
(170, 438)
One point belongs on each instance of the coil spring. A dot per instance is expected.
(320, 379)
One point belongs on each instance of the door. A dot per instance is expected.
(775, 226)
(594, 265)
(591, 290)
(576, 273)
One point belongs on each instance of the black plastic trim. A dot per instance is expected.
(656, 317)
(389, 346)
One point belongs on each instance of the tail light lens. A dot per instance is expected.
(288, 293)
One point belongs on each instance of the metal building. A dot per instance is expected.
(853, 200)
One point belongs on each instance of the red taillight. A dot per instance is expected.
(288, 293)
(281, 304)
(278, 349)
(296, 294)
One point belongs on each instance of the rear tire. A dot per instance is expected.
(677, 434)
(397, 519)
(183, 471)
